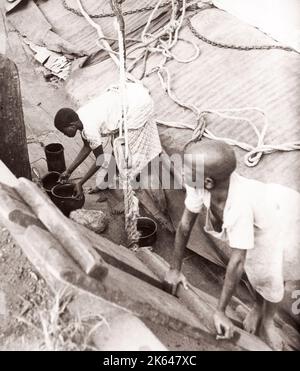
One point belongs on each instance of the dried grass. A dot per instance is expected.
(61, 330)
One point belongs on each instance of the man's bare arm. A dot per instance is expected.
(82, 155)
(234, 274)
(174, 276)
(235, 270)
(93, 170)
(182, 237)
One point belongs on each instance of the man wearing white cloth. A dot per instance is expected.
(100, 118)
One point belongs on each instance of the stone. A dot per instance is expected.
(95, 220)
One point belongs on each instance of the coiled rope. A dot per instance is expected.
(254, 153)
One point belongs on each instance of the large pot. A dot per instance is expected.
(63, 198)
(55, 156)
(148, 231)
(49, 181)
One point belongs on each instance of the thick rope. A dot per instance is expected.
(112, 14)
(244, 48)
(255, 153)
(131, 202)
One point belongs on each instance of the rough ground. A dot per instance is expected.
(23, 293)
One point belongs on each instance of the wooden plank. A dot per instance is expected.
(62, 229)
(120, 257)
(202, 306)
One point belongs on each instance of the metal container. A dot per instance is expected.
(148, 230)
(55, 157)
(49, 181)
(62, 196)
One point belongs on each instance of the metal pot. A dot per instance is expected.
(55, 157)
(49, 181)
(148, 230)
(62, 196)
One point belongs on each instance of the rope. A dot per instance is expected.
(254, 153)
(131, 202)
(165, 40)
(112, 14)
(196, 33)
(99, 31)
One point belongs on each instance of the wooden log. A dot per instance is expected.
(13, 143)
(120, 257)
(77, 245)
(204, 311)
(14, 213)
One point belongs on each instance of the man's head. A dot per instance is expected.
(218, 160)
(67, 121)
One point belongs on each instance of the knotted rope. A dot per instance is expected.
(254, 153)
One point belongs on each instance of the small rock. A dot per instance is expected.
(33, 276)
(95, 220)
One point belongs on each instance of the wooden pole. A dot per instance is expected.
(13, 142)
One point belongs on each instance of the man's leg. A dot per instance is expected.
(254, 318)
(268, 331)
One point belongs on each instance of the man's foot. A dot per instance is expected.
(269, 334)
(103, 195)
(253, 320)
(94, 190)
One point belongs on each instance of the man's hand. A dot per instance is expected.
(64, 177)
(224, 326)
(172, 279)
(78, 190)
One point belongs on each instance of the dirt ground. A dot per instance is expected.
(23, 293)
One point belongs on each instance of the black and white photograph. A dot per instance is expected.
(149, 178)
